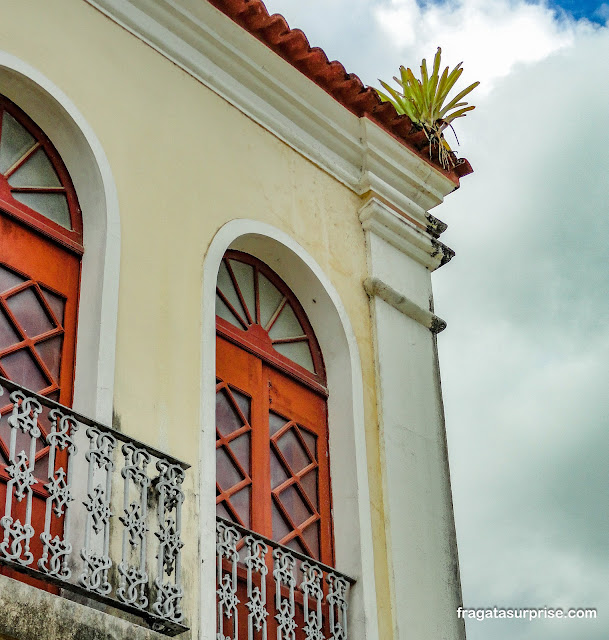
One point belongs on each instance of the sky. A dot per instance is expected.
(524, 359)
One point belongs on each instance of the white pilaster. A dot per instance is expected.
(421, 542)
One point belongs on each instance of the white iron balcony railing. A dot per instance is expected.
(88, 509)
(266, 590)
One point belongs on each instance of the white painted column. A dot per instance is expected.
(422, 550)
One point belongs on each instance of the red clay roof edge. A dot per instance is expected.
(293, 46)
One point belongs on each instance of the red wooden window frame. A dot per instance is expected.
(42, 259)
(277, 408)
(255, 339)
(70, 238)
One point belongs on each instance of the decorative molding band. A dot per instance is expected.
(376, 287)
(210, 47)
(404, 234)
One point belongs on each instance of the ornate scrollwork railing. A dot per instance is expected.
(266, 591)
(127, 557)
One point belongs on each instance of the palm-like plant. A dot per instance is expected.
(423, 102)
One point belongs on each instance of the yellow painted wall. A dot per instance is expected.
(185, 162)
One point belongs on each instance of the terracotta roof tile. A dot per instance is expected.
(346, 88)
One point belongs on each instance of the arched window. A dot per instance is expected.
(40, 255)
(272, 464)
(40, 259)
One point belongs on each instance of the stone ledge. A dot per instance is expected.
(28, 613)
(376, 287)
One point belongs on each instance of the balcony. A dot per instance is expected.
(89, 511)
(266, 590)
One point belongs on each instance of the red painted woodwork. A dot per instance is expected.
(9, 193)
(272, 441)
(40, 263)
(255, 329)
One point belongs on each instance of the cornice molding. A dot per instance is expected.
(210, 47)
(404, 233)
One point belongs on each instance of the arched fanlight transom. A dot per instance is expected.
(256, 306)
(33, 179)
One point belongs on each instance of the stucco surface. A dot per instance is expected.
(29, 613)
(185, 162)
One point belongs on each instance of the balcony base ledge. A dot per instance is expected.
(28, 613)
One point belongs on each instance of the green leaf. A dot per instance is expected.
(458, 97)
(415, 89)
(424, 76)
(433, 84)
(401, 104)
(458, 114)
(385, 98)
(441, 87)
(451, 80)
(392, 91)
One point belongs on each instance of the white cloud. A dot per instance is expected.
(602, 12)
(491, 37)
(524, 356)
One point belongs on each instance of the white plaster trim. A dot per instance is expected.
(403, 234)
(376, 287)
(352, 517)
(219, 53)
(90, 170)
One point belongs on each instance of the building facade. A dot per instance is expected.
(215, 271)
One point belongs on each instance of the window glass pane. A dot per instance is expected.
(29, 312)
(225, 313)
(227, 474)
(53, 206)
(295, 545)
(275, 423)
(240, 502)
(294, 505)
(270, 297)
(225, 284)
(241, 450)
(280, 527)
(37, 171)
(299, 352)
(309, 484)
(286, 325)
(8, 335)
(222, 511)
(278, 473)
(22, 369)
(56, 302)
(41, 468)
(293, 451)
(8, 279)
(14, 143)
(244, 274)
(50, 353)
(243, 402)
(310, 440)
(311, 537)
(227, 419)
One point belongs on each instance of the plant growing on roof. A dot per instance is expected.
(423, 101)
